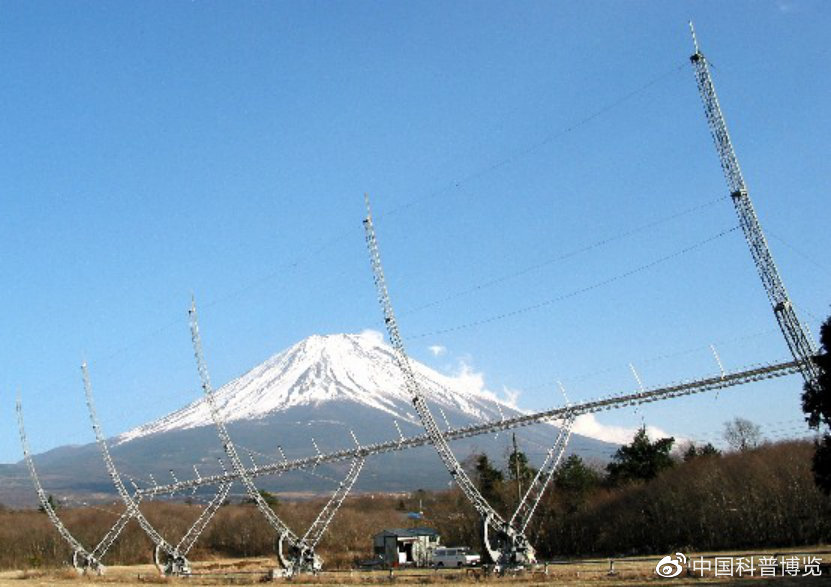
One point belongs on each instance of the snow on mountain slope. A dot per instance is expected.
(356, 367)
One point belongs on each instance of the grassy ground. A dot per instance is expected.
(627, 571)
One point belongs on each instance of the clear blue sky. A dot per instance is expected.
(150, 150)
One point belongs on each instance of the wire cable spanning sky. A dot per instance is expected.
(514, 152)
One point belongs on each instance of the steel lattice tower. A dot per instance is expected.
(796, 335)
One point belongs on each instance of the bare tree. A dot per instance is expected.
(742, 434)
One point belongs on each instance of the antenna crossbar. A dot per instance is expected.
(710, 383)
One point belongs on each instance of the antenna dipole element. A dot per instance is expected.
(694, 38)
(797, 336)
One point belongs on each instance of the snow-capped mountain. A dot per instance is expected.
(304, 399)
(357, 368)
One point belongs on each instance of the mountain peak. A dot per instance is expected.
(358, 368)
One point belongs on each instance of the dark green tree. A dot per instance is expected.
(575, 476)
(575, 481)
(690, 453)
(519, 472)
(489, 478)
(51, 501)
(693, 451)
(641, 460)
(816, 403)
(267, 496)
(518, 468)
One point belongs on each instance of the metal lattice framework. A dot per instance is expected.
(193, 533)
(506, 546)
(506, 543)
(327, 514)
(545, 475)
(90, 561)
(505, 540)
(796, 335)
(83, 559)
(169, 559)
(301, 556)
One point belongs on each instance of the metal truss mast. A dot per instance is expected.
(83, 560)
(799, 341)
(169, 559)
(509, 548)
(301, 555)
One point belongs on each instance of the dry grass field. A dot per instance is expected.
(250, 571)
(743, 502)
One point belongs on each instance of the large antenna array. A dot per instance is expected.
(85, 561)
(505, 540)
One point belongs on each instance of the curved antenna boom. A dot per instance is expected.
(79, 552)
(283, 531)
(112, 535)
(327, 514)
(301, 555)
(173, 563)
(83, 560)
(797, 336)
(504, 534)
(193, 533)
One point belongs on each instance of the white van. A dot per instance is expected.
(459, 556)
